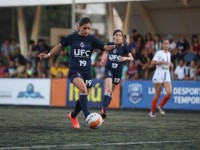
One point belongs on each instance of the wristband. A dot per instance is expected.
(49, 54)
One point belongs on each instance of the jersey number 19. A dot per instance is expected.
(82, 62)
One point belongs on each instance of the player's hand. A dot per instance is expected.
(102, 63)
(165, 63)
(122, 59)
(117, 45)
(42, 55)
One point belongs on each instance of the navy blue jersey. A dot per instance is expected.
(81, 48)
(113, 62)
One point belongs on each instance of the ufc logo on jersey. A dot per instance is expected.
(81, 52)
(114, 57)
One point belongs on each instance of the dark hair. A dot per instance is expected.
(134, 30)
(194, 36)
(118, 31)
(84, 20)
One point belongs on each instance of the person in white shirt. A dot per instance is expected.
(162, 61)
(181, 71)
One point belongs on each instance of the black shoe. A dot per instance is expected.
(103, 113)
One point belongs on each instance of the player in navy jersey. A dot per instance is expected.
(81, 46)
(115, 61)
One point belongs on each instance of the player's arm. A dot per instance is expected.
(111, 47)
(104, 58)
(154, 63)
(128, 58)
(52, 52)
(172, 66)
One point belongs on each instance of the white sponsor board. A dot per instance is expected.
(25, 91)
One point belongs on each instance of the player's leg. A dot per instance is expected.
(168, 87)
(77, 107)
(107, 96)
(158, 88)
(80, 84)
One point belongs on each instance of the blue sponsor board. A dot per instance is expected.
(139, 94)
(94, 98)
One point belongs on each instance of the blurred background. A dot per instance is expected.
(32, 27)
(29, 28)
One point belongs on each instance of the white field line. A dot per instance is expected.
(92, 145)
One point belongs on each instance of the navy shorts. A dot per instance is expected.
(87, 78)
(110, 73)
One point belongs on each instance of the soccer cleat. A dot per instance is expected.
(152, 114)
(103, 113)
(161, 110)
(74, 121)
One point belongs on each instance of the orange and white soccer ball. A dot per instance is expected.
(94, 120)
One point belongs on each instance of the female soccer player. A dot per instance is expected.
(115, 60)
(162, 61)
(81, 46)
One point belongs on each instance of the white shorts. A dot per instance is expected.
(161, 76)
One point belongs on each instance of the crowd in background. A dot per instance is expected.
(185, 56)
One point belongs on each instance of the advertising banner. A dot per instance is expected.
(94, 98)
(139, 94)
(25, 91)
(58, 92)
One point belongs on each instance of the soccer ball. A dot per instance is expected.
(94, 120)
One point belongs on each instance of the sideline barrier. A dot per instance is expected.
(139, 94)
(58, 92)
(25, 91)
(95, 97)
(135, 94)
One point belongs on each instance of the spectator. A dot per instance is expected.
(5, 49)
(132, 72)
(182, 47)
(20, 70)
(144, 64)
(13, 46)
(157, 42)
(99, 70)
(181, 71)
(149, 45)
(40, 70)
(18, 57)
(132, 44)
(3, 70)
(195, 45)
(12, 69)
(172, 49)
(31, 44)
(41, 47)
(192, 70)
(63, 57)
(139, 45)
(198, 72)
(29, 70)
(136, 36)
(64, 70)
(55, 70)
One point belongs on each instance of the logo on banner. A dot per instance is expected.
(135, 93)
(29, 93)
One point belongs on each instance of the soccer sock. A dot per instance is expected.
(153, 106)
(84, 104)
(164, 100)
(77, 109)
(106, 101)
